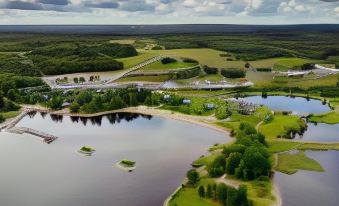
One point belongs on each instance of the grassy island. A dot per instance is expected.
(127, 165)
(86, 150)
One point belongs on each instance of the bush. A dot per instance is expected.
(168, 60)
(2, 118)
(210, 70)
(233, 73)
(189, 60)
(264, 69)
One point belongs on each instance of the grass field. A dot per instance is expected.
(158, 66)
(284, 64)
(281, 125)
(280, 146)
(11, 114)
(160, 78)
(291, 163)
(132, 61)
(329, 118)
(122, 41)
(208, 57)
(189, 196)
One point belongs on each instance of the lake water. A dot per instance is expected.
(312, 188)
(297, 105)
(34, 173)
(320, 132)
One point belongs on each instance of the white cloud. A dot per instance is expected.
(176, 11)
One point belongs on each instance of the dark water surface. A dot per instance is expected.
(34, 173)
(312, 188)
(297, 105)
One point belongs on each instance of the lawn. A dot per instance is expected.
(132, 61)
(237, 118)
(329, 118)
(160, 78)
(280, 146)
(11, 114)
(208, 57)
(260, 193)
(281, 126)
(158, 66)
(189, 196)
(291, 163)
(122, 41)
(284, 64)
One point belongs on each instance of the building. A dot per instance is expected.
(186, 101)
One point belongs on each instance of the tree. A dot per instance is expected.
(201, 191)
(56, 102)
(193, 177)
(222, 193)
(76, 80)
(117, 103)
(217, 167)
(82, 79)
(2, 102)
(75, 107)
(13, 95)
(209, 191)
(233, 162)
(84, 97)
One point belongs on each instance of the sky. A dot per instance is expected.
(22, 12)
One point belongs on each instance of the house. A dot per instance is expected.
(167, 97)
(65, 104)
(209, 106)
(186, 101)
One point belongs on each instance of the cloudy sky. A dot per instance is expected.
(168, 11)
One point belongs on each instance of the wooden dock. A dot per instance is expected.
(47, 138)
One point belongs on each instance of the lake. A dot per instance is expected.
(35, 173)
(297, 105)
(312, 188)
(320, 132)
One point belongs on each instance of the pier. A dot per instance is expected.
(47, 138)
(10, 127)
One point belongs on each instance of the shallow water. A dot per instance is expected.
(297, 105)
(312, 188)
(34, 173)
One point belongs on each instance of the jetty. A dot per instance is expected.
(47, 138)
(11, 128)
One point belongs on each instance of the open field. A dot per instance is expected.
(285, 64)
(122, 41)
(329, 118)
(160, 78)
(281, 126)
(132, 61)
(208, 57)
(158, 66)
(291, 163)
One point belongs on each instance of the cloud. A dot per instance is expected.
(54, 2)
(226, 11)
(101, 4)
(23, 5)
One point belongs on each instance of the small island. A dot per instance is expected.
(126, 165)
(88, 151)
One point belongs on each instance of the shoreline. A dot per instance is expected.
(144, 110)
